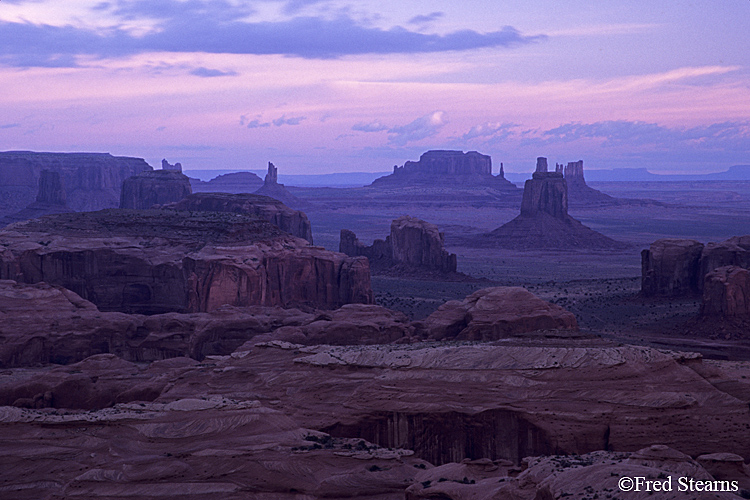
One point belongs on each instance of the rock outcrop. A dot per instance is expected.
(579, 193)
(51, 199)
(154, 261)
(272, 188)
(544, 222)
(671, 267)
(454, 167)
(413, 244)
(165, 165)
(92, 181)
(157, 187)
(726, 293)
(274, 211)
(495, 313)
(237, 182)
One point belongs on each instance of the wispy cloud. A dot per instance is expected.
(10, 125)
(423, 20)
(218, 26)
(421, 128)
(375, 126)
(211, 73)
(283, 120)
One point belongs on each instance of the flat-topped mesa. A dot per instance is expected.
(413, 244)
(155, 187)
(445, 167)
(91, 181)
(157, 261)
(270, 209)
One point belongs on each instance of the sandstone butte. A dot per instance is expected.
(152, 261)
(412, 246)
(544, 222)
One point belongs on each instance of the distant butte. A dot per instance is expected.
(450, 168)
(544, 222)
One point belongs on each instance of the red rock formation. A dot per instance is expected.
(544, 222)
(444, 167)
(732, 252)
(726, 293)
(495, 313)
(579, 193)
(671, 267)
(413, 245)
(162, 260)
(51, 199)
(293, 222)
(156, 187)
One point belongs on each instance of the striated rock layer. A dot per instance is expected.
(154, 261)
(292, 221)
(92, 181)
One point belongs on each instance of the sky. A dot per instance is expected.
(321, 86)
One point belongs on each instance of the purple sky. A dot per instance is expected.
(320, 86)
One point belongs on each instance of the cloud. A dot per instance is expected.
(210, 73)
(220, 27)
(369, 127)
(294, 6)
(489, 129)
(421, 128)
(283, 120)
(10, 125)
(426, 19)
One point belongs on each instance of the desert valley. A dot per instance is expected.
(440, 333)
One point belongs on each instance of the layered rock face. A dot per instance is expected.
(544, 222)
(447, 167)
(92, 181)
(413, 243)
(156, 187)
(292, 221)
(51, 199)
(272, 188)
(495, 313)
(726, 293)
(154, 261)
(671, 267)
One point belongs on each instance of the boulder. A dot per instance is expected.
(155, 261)
(495, 313)
(92, 181)
(156, 187)
(292, 221)
(671, 267)
(726, 293)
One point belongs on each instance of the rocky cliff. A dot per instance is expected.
(155, 261)
(579, 193)
(447, 167)
(674, 267)
(413, 245)
(156, 187)
(92, 181)
(544, 222)
(50, 199)
(726, 293)
(274, 211)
